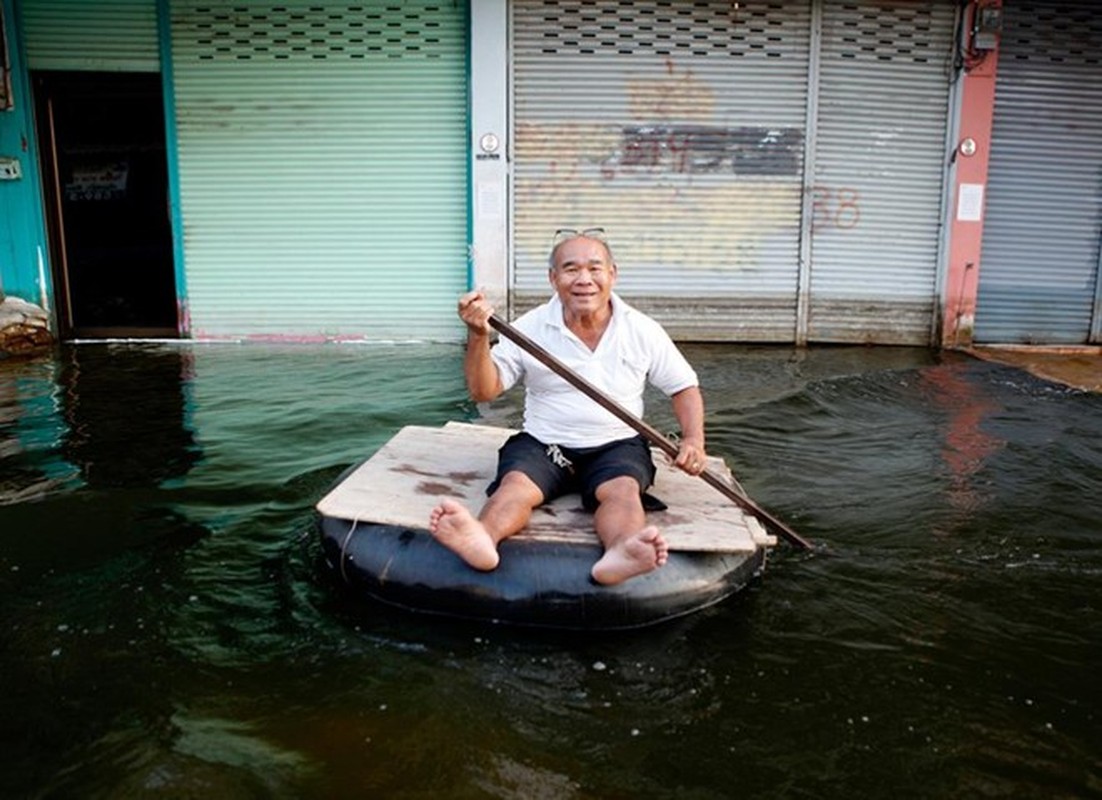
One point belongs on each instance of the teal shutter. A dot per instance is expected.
(322, 158)
(103, 36)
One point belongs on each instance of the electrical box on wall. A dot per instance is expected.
(10, 169)
(987, 25)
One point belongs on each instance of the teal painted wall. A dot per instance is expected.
(22, 228)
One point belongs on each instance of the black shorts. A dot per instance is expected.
(559, 470)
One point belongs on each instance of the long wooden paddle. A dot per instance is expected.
(648, 431)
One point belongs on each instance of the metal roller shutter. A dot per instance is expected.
(678, 127)
(323, 164)
(688, 130)
(879, 166)
(104, 36)
(1039, 275)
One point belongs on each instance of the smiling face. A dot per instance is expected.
(583, 275)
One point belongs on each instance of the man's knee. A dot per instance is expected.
(623, 488)
(515, 484)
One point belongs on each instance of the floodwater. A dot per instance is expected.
(165, 629)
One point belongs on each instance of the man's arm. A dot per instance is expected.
(688, 407)
(483, 379)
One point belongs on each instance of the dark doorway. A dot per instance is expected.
(102, 138)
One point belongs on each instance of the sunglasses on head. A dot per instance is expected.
(562, 234)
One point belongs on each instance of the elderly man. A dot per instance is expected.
(570, 443)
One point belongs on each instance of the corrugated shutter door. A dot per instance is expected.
(678, 127)
(322, 167)
(106, 35)
(879, 170)
(1039, 269)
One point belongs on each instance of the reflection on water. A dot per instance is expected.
(966, 445)
(124, 420)
(165, 625)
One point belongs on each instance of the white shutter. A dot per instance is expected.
(880, 157)
(681, 128)
(1039, 272)
(678, 127)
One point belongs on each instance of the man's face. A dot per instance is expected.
(583, 275)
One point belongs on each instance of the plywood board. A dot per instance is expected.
(411, 473)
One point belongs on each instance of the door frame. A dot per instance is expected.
(45, 85)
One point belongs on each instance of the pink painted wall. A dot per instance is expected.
(969, 184)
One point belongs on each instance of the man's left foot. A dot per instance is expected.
(633, 555)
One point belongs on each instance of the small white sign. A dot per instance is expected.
(970, 202)
(10, 169)
(489, 200)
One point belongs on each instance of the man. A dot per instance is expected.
(569, 442)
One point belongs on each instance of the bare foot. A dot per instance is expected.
(644, 552)
(455, 527)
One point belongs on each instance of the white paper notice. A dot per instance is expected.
(970, 202)
(489, 200)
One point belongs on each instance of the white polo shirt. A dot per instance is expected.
(634, 350)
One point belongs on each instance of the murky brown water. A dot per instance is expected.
(164, 631)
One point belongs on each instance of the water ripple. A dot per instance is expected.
(167, 625)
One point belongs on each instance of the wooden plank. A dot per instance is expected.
(401, 483)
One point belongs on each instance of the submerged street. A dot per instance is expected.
(166, 629)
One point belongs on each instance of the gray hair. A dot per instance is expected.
(583, 235)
